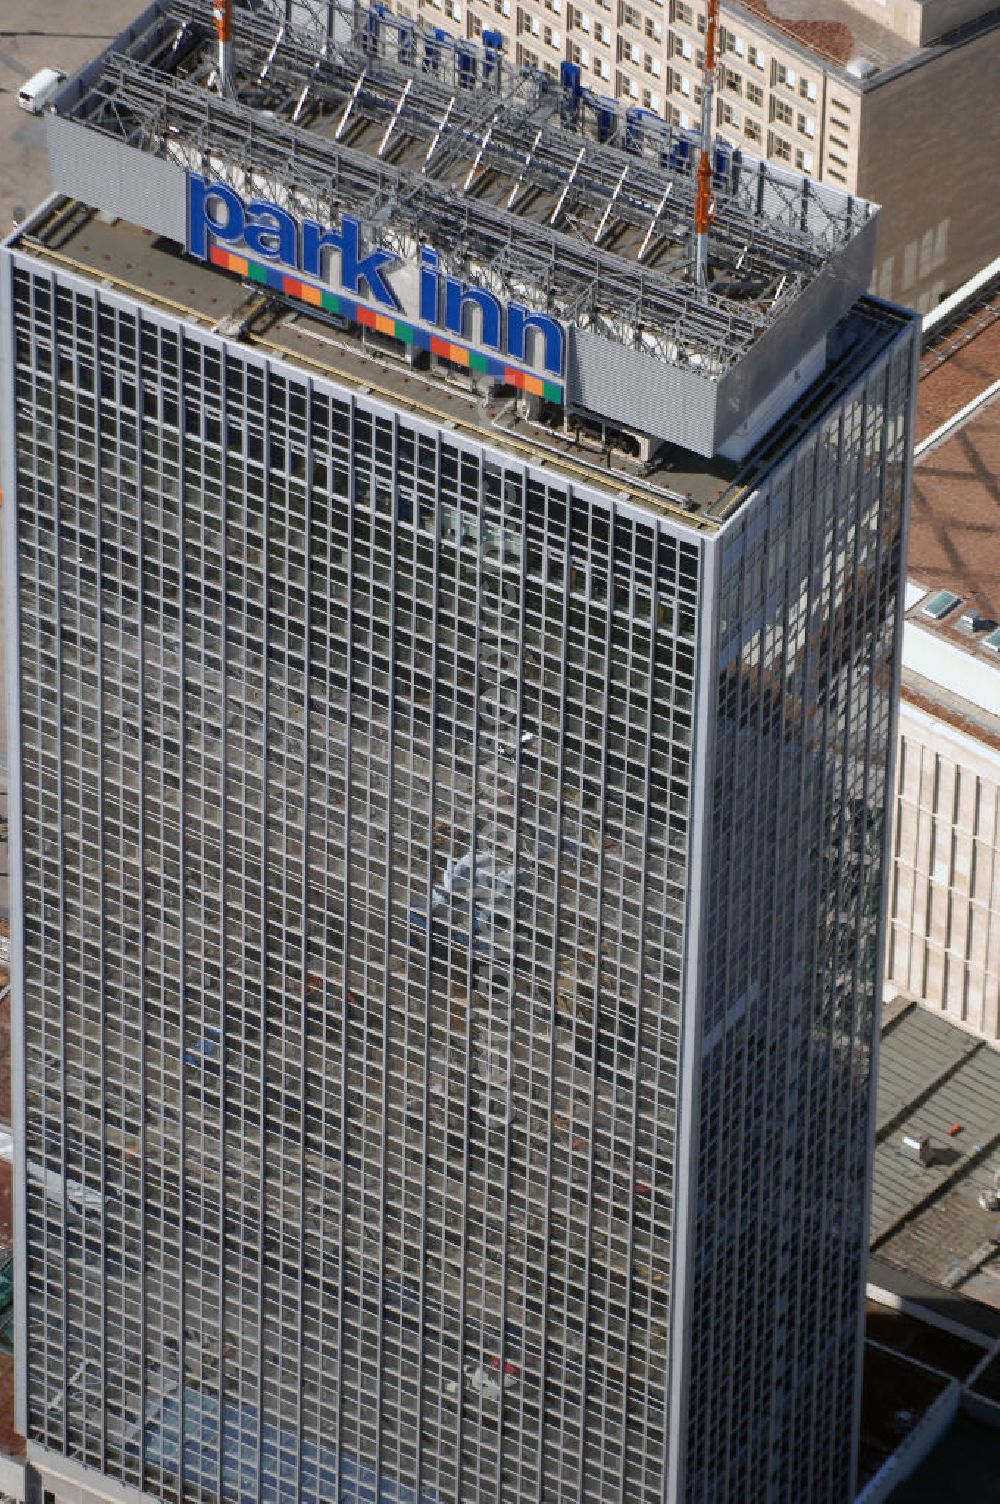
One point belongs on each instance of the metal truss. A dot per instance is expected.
(540, 193)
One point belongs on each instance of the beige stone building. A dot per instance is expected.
(895, 100)
(943, 941)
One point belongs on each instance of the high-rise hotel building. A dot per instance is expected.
(454, 684)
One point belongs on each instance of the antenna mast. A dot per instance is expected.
(704, 204)
(222, 14)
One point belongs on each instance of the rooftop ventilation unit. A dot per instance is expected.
(920, 1150)
(940, 603)
(990, 1200)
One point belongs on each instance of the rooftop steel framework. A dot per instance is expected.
(534, 188)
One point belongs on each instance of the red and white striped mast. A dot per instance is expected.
(222, 14)
(704, 204)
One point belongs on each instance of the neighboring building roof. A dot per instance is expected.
(909, 1367)
(951, 662)
(861, 51)
(935, 1080)
(961, 357)
(835, 31)
(955, 520)
(963, 1465)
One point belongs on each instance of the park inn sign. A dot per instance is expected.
(331, 269)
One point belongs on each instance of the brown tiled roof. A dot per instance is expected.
(955, 526)
(830, 39)
(948, 386)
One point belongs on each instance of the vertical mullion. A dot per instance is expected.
(61, 805)
(344, 1032)
(304, 955)
(469, 967)
(101, 969)
(223, 903)
(640, 991)
(428, 955)
(556, 893)
(265, 383)
(596, 1002)
(387, 935)
(182, 917)
(512, 942)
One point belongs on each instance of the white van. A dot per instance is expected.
(39, 89)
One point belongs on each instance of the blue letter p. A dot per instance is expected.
(200, 222)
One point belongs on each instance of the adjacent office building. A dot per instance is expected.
(454, 673)
(848, 92)
(943, 939)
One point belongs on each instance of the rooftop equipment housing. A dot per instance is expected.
(539, 190)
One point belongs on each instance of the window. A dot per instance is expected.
(728, 114)
(803, 160)
(780, 148)
(755, 94)
(751, 129)
(807, 89)
(781, 112)
(784, 75)
(654, 30)
(806, 124)
(755, 57)
(681, 12)
(732, 81)
(631, 17)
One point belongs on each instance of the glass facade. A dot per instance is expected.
(355, 779)
(810, 575)
(361, 1056)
